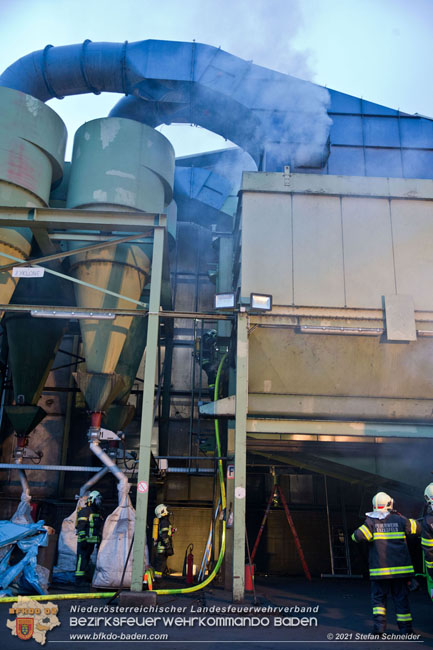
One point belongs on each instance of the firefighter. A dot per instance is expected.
(162, 538)
(89, 532)
(210, 359)
(427, 530)
(390, 564)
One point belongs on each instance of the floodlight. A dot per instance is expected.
(260, 302)
(224, 301)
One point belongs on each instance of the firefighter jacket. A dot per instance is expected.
(89, 525)
(427, 540)
(165, 541)
(386, 534)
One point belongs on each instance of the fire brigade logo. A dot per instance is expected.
(33, 619)
(25, 628)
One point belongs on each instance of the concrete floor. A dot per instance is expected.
(344, 612)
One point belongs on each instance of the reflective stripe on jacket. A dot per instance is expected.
(165, 542)
(388, 552)
(89, 525)
(427, 541)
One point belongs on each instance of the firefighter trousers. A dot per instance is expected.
(84, 552)
(160, 564)
(397, 589)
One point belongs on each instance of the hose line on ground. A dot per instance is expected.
(13, 599)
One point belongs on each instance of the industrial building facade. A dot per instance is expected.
(239, 333)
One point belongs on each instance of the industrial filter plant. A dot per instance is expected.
(245, 335)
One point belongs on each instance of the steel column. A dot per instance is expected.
(138, 556)
(228, 558)
(240, 458)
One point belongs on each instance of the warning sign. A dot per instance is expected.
(142, 487)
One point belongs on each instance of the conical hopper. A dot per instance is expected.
(33, 344)
(15, 243)
(98, 390)
(124, 270)
(24, 418)
(118, 416)
(131, 355)
(120, 413)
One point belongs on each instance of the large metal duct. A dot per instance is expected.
(278, 119)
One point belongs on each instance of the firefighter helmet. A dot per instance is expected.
(161, 511)
(428, 494)
(94, 498)
(382, 501)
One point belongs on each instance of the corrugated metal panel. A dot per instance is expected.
(417, 164)
(346, 160)
(318, 251)
(320, 276)
(346, 129)
(368, 108)
(267, 246)
(412, 223)
(381, 132)
(342, 366)
(341, 103)
(416, 132)
(383, 162)
(368, 259)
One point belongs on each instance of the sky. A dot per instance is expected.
(381, 50)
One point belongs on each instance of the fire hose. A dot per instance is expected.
(164, 592)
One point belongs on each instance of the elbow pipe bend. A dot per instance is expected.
(275, 117)
(123, 484)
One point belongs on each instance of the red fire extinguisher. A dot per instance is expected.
(190, 565)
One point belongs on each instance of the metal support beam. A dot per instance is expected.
(240, 458)
(119, 312)
(56, 219)
(49, 468)
(334, 431)
(138, 555)
(230, 490)
(62, 254)
(225, 277)
(77, 281)
(68, 415)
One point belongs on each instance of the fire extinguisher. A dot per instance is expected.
(189, 565)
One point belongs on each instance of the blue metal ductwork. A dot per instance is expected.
(278, 119)
(200, 195)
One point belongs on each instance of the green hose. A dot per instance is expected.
(12, 599)
(165, 592)
(211, 576)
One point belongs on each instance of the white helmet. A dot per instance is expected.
(94, 498)
(428, 494)
(382, 501)
(161, 511)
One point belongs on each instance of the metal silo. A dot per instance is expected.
(32, 146)
(118, 165)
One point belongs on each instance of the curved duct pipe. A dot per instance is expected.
(94, 479)
(278, 119)
(23, 514)
(200, 195)
(26, 496)
(123, 485)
